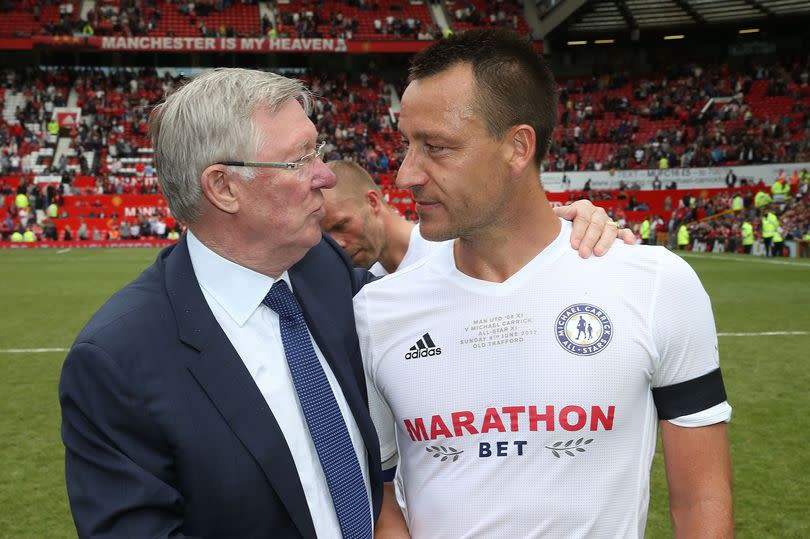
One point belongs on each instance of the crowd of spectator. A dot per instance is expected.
(500, 13)
(354, 118)
(36, 209)
(612, 109)
(715, 225)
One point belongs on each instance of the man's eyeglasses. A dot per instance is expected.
(294, 165)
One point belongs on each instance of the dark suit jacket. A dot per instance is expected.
(166, 433)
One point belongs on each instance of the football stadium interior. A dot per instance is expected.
(688, 121)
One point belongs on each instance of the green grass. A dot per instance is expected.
(47, 298)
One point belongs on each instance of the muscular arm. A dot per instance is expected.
(391, 524)
(698, 468)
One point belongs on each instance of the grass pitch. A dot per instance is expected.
(47, 297)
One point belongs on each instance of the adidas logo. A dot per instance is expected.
(424, 347)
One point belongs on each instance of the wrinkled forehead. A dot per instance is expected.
(288, 129)
(444, 100)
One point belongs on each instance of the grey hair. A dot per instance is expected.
(210, 119)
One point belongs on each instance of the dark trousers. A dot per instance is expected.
(768, 245)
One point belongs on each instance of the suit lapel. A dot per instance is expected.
(316, 310)
(223, 376)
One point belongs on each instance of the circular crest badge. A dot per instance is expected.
(583, 329)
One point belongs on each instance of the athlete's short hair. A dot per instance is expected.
(353, 182)
(210, 119)
(514, 85)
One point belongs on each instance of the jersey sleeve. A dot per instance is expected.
(687, 383)
(380, 412)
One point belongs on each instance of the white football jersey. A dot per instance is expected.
(529, 408)
(418, 248)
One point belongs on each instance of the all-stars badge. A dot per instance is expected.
(583, 329)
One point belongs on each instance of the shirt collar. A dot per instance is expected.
(237, 289)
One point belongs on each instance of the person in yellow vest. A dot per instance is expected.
(762, 199)
(769, 224)
(778, 242)
(683, 237)
(747, 233)
(737, 203)
(779, 191)
(173, 235)
(16, 236)
(52, 211)
(804, 245)
(21, 200)
(663, 163)
(53, 128)
(29, 236)
(644, 232)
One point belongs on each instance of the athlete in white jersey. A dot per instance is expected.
(525, 383)
(527, 408)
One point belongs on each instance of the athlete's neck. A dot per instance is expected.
(397, 240)
(498, 252)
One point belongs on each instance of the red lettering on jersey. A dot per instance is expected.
(492, 421)
(416, 430)
(535, 418)
(438, 428)
(581, 417)
(463, 420)
(598, 416)
(513, 412)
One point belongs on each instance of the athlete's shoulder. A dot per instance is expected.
(418, 273)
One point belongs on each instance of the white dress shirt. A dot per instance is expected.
(234, 294)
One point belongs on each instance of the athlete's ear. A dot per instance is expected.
(374, 201)
(520, 145)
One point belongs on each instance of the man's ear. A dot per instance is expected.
(221, 188)
(374, 200)
(521, 142)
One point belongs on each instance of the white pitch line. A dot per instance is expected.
(756, 259)
(31, 350)
(63, 251)
(763, 334)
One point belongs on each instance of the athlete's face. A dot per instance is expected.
(355, 226)
(456, 171)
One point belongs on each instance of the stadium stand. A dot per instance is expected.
(614, 122)
(693, 112)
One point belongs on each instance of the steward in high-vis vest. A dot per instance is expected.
(778, 242)
(737, 203)
(769, 224)
(21, 200)
(747, 233)
(780, 190)
(16, 236)
(762, 199)
(29, 236)
(644, 232)
(683, 237)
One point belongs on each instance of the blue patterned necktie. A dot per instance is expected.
(325, 422)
